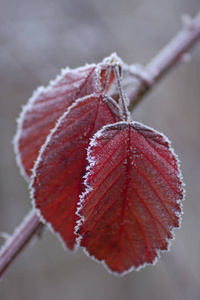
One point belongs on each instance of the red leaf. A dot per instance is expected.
(133, 197)
(48, 104)
(58, 173)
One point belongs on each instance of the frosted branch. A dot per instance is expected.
(21, 236)
(175, 52)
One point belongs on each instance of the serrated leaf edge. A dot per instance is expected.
(91, 163)
(39, 158)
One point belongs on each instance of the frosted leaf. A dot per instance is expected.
(57, 179)
(133, 197)
(48, 104)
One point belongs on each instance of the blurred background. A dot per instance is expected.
(37, 39)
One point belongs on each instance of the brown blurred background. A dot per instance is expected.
(37, 39)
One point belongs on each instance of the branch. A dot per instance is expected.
(168, 58)
(21, 236)
(153, 72)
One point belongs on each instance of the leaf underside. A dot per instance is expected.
(48, 104)
(133, 200)
(58, 173)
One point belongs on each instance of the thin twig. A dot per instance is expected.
(153, 72)
(21, 236)
(168, 58)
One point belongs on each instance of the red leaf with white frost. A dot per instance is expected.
(58, 173)
(133, 198)
(39, 116)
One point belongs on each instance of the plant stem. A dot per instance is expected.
(121, 93)
(168, 58)
(154, 71)
(21, 236)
